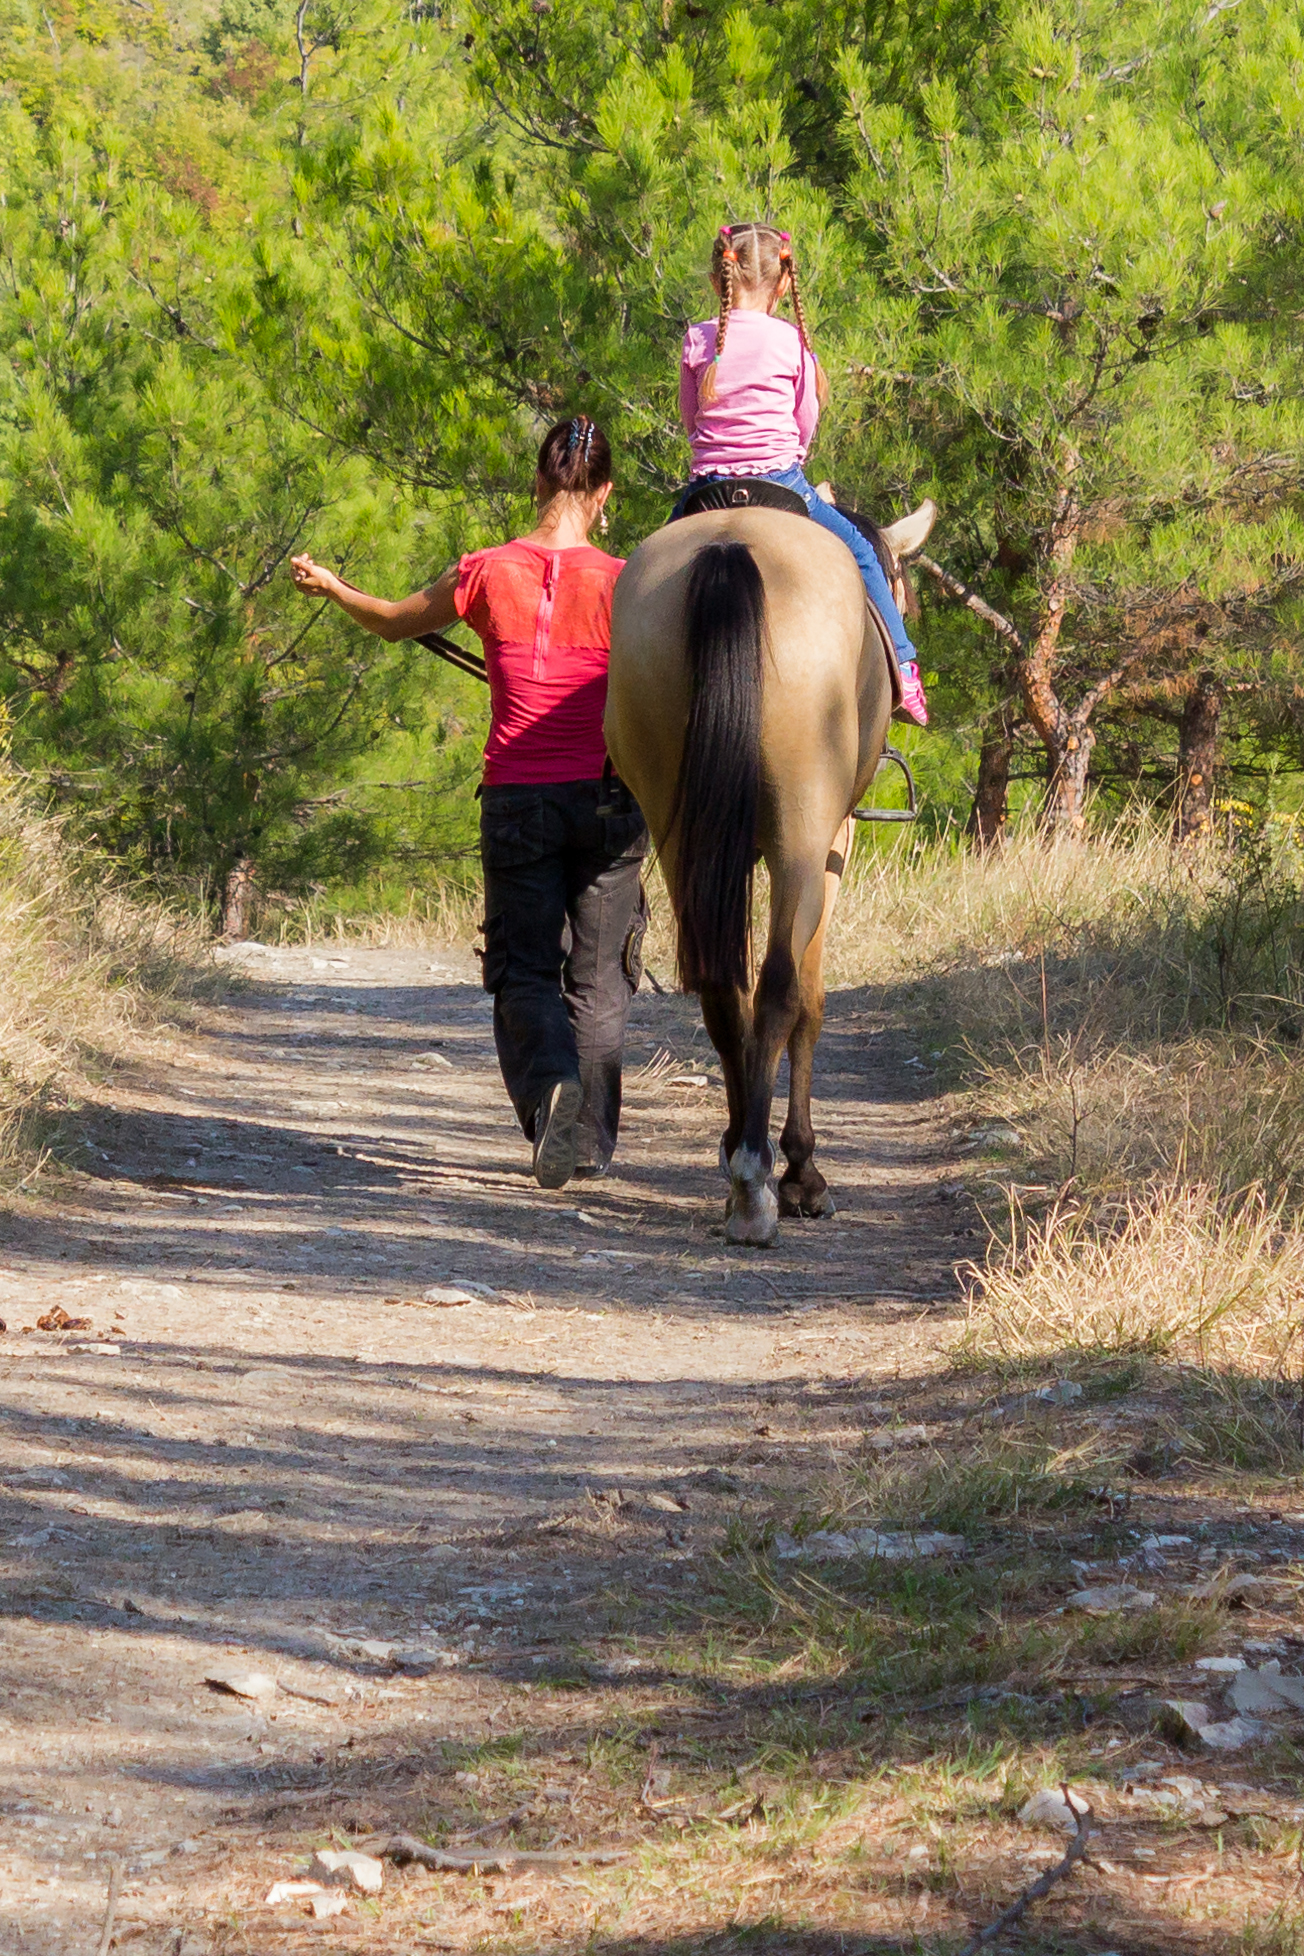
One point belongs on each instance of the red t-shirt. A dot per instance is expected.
(544, 618)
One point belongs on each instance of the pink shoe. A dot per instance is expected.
(913, 701)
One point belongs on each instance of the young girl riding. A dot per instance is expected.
(750, 393)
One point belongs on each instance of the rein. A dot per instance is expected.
(448, 649)
(456, 655)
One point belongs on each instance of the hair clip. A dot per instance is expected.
(573, 438)
(588, 441)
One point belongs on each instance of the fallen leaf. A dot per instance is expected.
(57, 1319)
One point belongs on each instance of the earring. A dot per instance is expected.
(603, 524)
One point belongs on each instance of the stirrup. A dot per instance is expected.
(910, 812)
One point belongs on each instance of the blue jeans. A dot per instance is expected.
(860, 547)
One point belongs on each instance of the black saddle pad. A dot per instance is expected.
(743, 492)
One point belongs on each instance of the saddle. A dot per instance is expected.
(743, 492)
(750, 492)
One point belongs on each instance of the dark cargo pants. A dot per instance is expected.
(563, 936)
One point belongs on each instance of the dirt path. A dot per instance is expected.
(269, 1452)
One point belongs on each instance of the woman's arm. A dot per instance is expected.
(425, 611)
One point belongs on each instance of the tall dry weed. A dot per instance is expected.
(1102, 938)
(448, 914)
(81, 960)
(1132, 1009)
(1174, 1272)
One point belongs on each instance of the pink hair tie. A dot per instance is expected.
(726, 230)
(785, 237)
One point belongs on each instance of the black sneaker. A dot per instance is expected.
(554, 1134)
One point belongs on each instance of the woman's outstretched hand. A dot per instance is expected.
(314, 579)
(425, 611)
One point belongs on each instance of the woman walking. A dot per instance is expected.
(562, 850)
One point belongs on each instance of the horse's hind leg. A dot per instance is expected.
(797, 901)
(803, 1190)
(726, 1014)
(752, 1211)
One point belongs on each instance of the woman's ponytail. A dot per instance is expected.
(574, 457)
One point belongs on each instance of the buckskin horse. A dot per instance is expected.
(748, 702)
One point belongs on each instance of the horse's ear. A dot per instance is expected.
(910, 533)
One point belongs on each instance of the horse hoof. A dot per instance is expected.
(797, 1200)
(752, 1218)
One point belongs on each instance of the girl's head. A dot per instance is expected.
(575, 460)
(753, 263)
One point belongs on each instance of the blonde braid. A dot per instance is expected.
(789, 265)
(728, 260)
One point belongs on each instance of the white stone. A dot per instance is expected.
(1049, 1808)
(242, 1684)
(830, 1545)
(290, 1891)
(1230, 1734)
(1112, 1596)
(346, 1868)
(1265, 1691)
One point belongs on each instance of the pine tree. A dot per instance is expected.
(159, 671)
(1037, 282)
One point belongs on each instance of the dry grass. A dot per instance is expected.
(447, 914)
(1107, 939)
(1133, 1013)
(81, 962)
(1173, 1273)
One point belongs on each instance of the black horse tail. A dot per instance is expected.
(717, 797)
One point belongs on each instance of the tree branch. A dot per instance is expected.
(1077, 1847)
(963, 595)
(1091, 699)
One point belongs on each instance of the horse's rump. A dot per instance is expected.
(747, 702)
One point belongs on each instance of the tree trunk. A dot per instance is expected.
(237, 895)
(1064, 810)
(1197, 758)
(1068, 747)
(987, 817)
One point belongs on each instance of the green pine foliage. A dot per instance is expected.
(277, 278)
(159, 671)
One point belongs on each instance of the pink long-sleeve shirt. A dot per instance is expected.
(765, 408)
